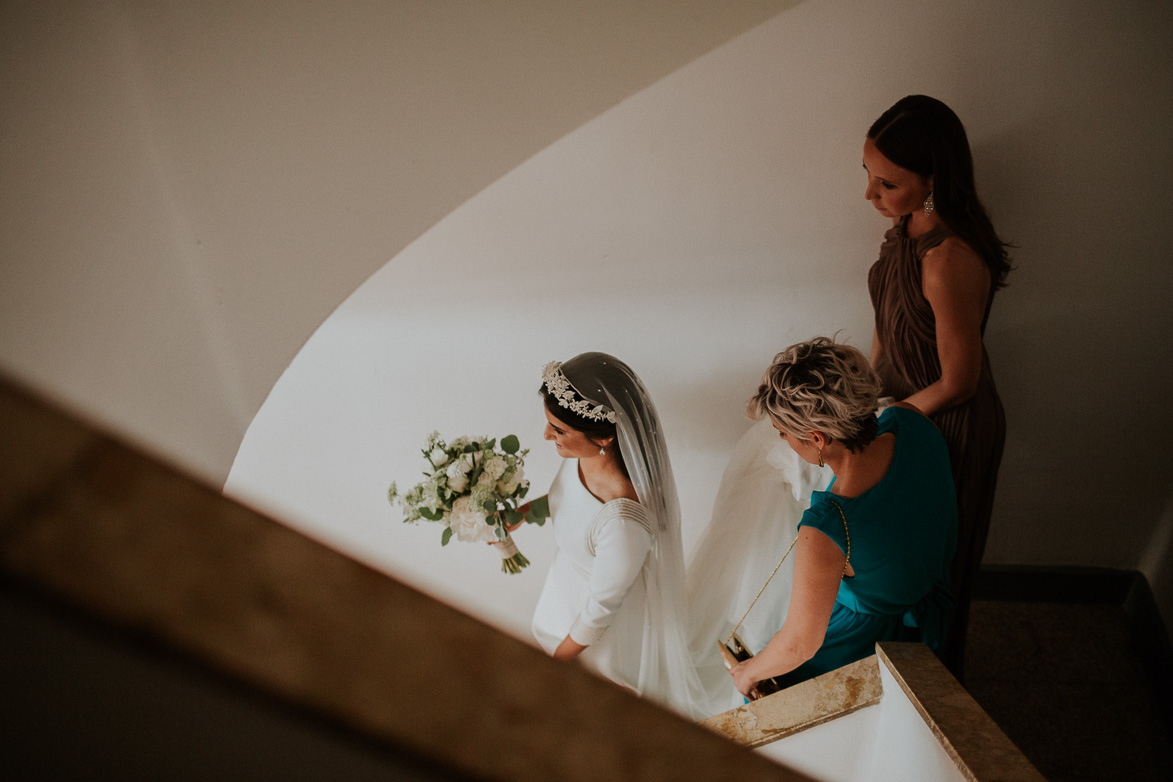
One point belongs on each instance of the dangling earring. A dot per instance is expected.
(929, 205)
(602, 452)
(820, 457)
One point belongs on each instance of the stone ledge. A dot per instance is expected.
(802, 706)
(977, 745)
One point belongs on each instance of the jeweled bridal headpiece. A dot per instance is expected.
(568, 397)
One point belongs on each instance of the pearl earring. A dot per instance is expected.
(929, 205)
(602, 452)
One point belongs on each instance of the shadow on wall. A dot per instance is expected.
(1072, 337)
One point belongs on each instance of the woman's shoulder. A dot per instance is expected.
(915, 433)
(899, 419)
(623, 522)
(828, 515)
(892, 416)
(822, 509)
(624, 510)
(949, 246)
(953, 262)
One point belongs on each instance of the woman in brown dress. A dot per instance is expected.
(931, 289)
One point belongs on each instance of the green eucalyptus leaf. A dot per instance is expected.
(538, 509)
(510, 444)
(447, 536)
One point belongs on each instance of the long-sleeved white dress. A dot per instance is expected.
(595, 591)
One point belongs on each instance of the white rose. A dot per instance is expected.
(468, 523)
(438, 456)
(457, 473)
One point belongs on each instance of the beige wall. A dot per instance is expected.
(187, 195)
(189, 189)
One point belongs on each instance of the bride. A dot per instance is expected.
(614, 596)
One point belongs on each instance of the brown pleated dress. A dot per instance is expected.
(974, 430)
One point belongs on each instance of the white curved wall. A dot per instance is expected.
(674, 231)
(717, 216)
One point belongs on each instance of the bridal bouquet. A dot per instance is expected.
(474, 489)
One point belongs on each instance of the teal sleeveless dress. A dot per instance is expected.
(902, 532)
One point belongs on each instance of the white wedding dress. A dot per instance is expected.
(764, 490)
(596, 590)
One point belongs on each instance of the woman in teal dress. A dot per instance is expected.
(873, 551)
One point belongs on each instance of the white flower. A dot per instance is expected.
(438, 456)
(495, 467)
(431, 497)
(510, 481)
(457, 473)
(468, 523)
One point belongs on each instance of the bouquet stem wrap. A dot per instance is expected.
(512, 560)
(507, 548)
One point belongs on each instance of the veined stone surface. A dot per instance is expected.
(802, 706)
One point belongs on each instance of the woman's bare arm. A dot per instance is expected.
(956, 283)
(818, 568)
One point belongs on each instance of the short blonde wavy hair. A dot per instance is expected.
(820, 386)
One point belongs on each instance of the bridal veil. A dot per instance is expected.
(667, 672)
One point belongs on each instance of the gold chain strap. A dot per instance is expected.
(784, 556)
(846, 532)
(763, 589)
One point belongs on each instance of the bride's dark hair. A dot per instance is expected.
(595, 431)
(923, 135)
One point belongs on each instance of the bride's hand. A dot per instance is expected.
(523, 510)
(509, 527)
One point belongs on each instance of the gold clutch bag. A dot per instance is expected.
(734, 651)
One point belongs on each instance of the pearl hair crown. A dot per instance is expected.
(568, 397)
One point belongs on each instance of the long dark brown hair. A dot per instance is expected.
(923, 135)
